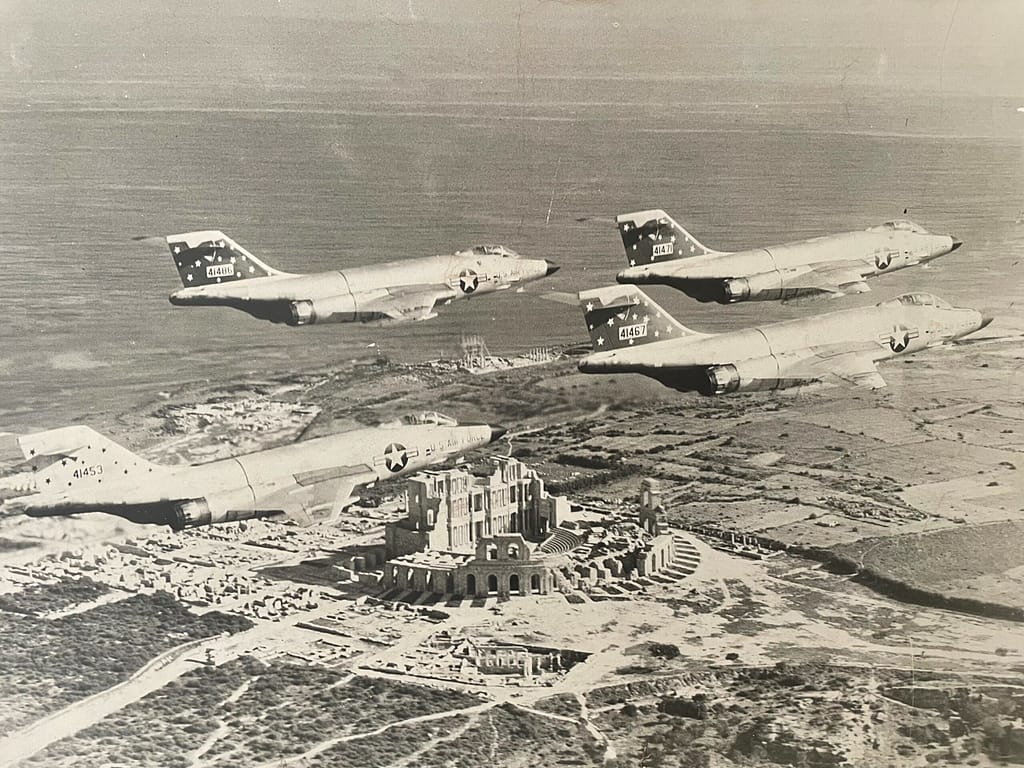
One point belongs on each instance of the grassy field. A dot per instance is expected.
(47, 664)
(509, 737)
(39, 599)
(245, 712)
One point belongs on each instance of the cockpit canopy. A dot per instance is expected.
(899, 225)
(430, 417)
(920, 300)
(493, 250)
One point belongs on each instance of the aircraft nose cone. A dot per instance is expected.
(497, 432)
(956, 244)
(986, 320)
(551, 268)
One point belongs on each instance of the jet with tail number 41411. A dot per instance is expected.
(217, 271)
(661, 252)
(75, 470)
(632, 334)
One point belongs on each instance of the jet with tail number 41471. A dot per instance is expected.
(661, 252)
(632, 334)
(217, 271)
(75, 470)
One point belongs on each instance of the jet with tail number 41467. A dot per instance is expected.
(217, 271)
(632, 334)
(661, 252)
(75, 470)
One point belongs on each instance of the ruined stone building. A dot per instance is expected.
(451, 510)
(505, 564)
(503, 535)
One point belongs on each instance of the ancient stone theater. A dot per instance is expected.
(502, 534)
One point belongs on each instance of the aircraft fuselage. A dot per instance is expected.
(356, 294)
(101, 476)
(761, 357)
(778, 272)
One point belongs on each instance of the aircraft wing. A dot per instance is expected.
(831, 277)
(411, 302)
(853, 366)
(321, 495)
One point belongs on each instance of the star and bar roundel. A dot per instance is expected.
(396, 457)
(468, 281)
(899, 337)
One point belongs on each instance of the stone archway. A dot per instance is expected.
(535, 583)
(492, 584)
(513, 584)
(471, 585)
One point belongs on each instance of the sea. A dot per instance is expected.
(321, 135)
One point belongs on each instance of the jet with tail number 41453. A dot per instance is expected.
(75, 470)
(632, 334)
(661, 252)
(217, 271)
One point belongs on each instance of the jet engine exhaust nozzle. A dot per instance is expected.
(737, 289)
(302, 313)
(721, 380)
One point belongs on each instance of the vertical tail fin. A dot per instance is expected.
(650, 236)
(211, 256)
(624, 316)
(78, 456)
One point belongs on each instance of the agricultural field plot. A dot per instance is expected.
(982, 428)
(926, 462)
(964, 561)
(978, 498)
(892, 426)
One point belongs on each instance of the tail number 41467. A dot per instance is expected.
(637, 331)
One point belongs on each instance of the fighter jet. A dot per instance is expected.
(75, 469)
(662, 252)
(217, 271)
(632, 334)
